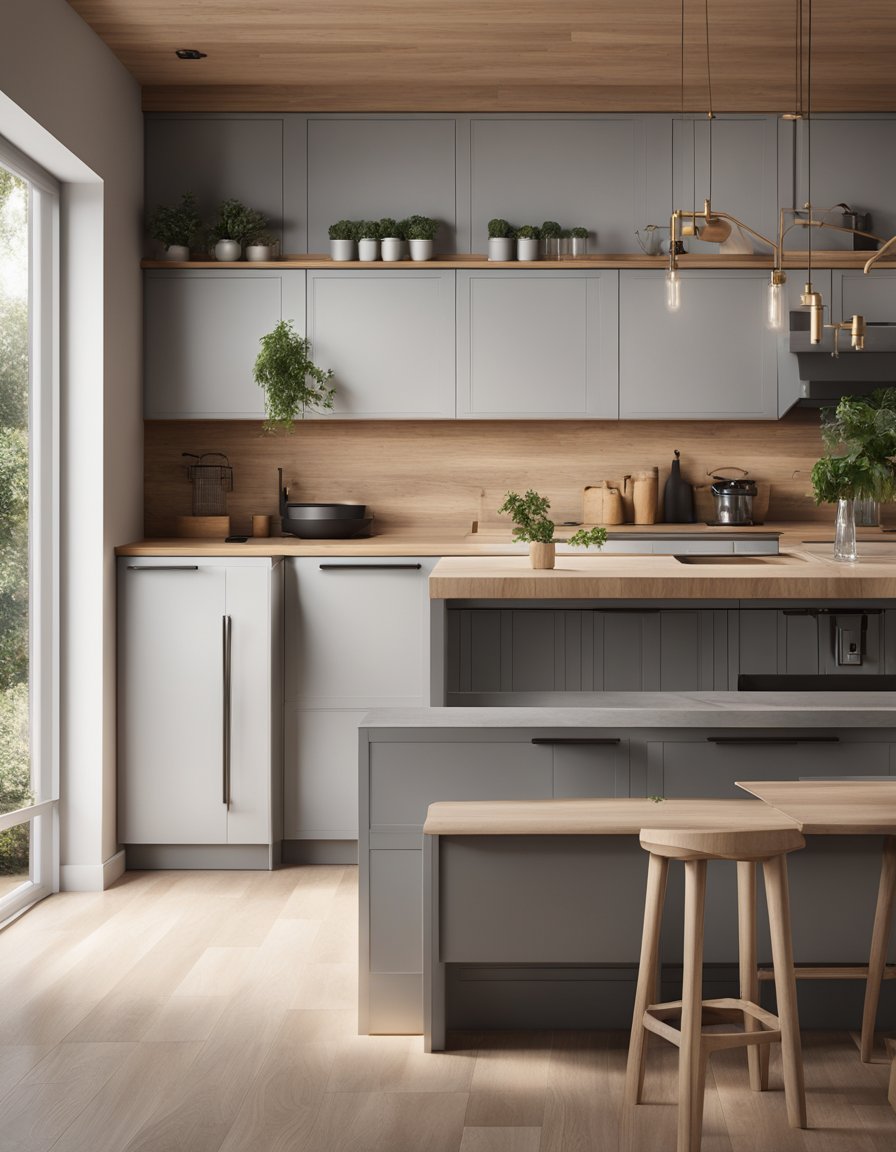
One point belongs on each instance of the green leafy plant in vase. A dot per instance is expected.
(292, 382)
(234, 224)
(533, 526)
(176, 227)
(859, 438)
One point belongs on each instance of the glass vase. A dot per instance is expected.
(845, 531)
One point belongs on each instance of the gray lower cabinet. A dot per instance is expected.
(727, 372)
(839, 640)
(537, 344)
(513, 651)
(520, 953)
(389, 338)
(199, 734)
(201, 334)
(357, 637)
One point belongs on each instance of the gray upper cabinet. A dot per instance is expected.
(853, 162)
(367, 167)
(220, 158)
(873, 296)
(713, 359)
(537, 344)
(201, 334)
(389, 337)
(597, 172)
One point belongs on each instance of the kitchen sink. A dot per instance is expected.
(729, 560)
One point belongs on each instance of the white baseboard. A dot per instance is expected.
(91, 877)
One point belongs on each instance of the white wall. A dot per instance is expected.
(67, 101)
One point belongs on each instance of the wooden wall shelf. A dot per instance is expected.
(794, 259)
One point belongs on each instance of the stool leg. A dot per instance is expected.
(775, 871)
(691, 1062)
(757, 1054)
(657, 871)
(880, 936)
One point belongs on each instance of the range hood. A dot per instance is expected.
(825, 378)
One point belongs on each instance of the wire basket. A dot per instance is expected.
(212, 478)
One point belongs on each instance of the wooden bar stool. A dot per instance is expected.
(695, 848)
(878, 969)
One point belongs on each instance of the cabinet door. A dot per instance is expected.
(389, 338)
(774, 641)
(358, 632)
(320, 797)
(712, 359)
(171, 704)
(534, 345)
(872, 296)
(201, 334)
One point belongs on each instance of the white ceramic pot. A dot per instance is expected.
(392, 247)
(259, 252)
(501, 248)
(527, 248)
(177, 252)
(228, 250)
(342, 249)
(368, 249)
(421, 249)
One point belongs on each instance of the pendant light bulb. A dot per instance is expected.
(673, 290)
(775, 314)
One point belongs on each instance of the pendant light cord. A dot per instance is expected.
(809, 140)
(709, 89)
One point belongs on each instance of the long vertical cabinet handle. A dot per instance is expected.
(225, 744)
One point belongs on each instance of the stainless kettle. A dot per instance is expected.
(733, 499)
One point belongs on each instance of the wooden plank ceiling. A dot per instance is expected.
(497, 55)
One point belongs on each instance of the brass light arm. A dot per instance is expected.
(880, 252)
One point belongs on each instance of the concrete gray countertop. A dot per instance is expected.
(769, 710)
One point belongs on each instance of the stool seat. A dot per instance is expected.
(757, 1028)
(729, 844)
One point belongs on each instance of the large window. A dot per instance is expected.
(28, 532)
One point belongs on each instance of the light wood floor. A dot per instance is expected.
(215, 1012)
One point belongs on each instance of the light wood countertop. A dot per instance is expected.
(832, 807)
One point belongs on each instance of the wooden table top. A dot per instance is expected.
(832, 807)
(601, 817)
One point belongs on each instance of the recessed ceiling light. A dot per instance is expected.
(189, 54)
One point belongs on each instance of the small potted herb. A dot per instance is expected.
(421, 234)
(342, 239)
(550, 237)
(234, 224)
(500, 240)
(260, 245)
(369, 240)
(531, 525)
(578, 242)
(292, 382)
(527, 239)
(176, 228)
(392, 239)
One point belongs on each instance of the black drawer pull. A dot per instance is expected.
(575, 740)
(163, 567)
(370, 567)
(763, 740)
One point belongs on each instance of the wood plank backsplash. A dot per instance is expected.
(434, 476)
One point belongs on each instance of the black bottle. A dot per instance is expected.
(678, 496)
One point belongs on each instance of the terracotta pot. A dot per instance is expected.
(542, 555)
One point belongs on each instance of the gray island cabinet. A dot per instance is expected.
(558, 922)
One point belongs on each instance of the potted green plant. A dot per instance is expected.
(859, 463)
(532, 525)
(176, 228)
(234, 223)
(578, 242)
(292, 382)
(500, 239)
(260, 245)
(421, 234)
(369, 240)
(527, 238)
(392, 239)
(550, 238)
(343, 235)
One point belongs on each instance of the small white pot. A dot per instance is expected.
(527, 248)
(421, 249)
(342, 249)
(177, 252)
(501, 248)
(259, 252)
(578, 247)
(393, 248)
(228, 250)
(368, 249)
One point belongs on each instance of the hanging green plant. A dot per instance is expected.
(292, 382)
